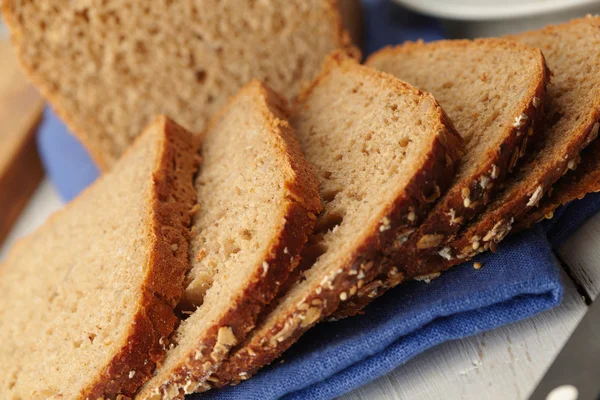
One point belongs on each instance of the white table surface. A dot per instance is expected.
(502, 364)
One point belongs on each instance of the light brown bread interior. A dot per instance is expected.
(108, 67)
(493, 91)
(487, 87)
(257, 201)
(369, 137)
(88, 296)
(572, 109)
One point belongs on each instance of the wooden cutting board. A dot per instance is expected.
(20, 113)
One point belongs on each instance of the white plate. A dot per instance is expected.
(492, 9)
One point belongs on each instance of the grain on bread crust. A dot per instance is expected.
(110, 249)
(183, 58)
(572, 112)
(419, 164)
(584, 178)
(506, 126)
(222, 316)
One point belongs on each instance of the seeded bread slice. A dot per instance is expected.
(87, 298)
(572, 111)
(494, 97)
(492, 90)
(379, 172)
(574, 185)
(180, 58)
(258, 201)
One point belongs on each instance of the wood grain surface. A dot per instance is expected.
(20, 113)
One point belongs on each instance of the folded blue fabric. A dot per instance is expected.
(520, 280)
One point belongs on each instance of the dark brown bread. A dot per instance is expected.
(87, 298)
(258, 200)
(378, 177)
(107, 69)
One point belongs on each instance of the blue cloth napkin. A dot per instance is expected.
(520, 280)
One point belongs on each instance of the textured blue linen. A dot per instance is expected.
(520, 280)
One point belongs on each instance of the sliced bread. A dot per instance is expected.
(572, 112)
(258, 201)
(87, 298)
(492, 90)
(108, 68)
(574, 185)
(383, 152)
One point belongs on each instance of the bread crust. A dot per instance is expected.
(173, 197)
(303, 203)
(494, 225)
(583, 178)
(267, 343)
(468, 197)
(450, 214)
(104, 161)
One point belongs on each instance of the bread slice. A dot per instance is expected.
(258, 201)
(492, 90)
(383, 151)
(108, 69)
(572, 111)
(88, 297)
(574, 185)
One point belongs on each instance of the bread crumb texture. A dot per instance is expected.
(258, 202)
(572, 109)
(489, 88)
(87, 297)
(108, 67)
(358, 128)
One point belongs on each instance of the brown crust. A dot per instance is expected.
(103, 162)
(493, 226)
(267, 343)
(574, 185)
(342, 37)
(173, 198)
(439, 225)
(454, 206)
(281, 258)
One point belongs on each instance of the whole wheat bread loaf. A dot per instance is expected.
(492, 90)
(383, 152)
(258, 201)
(107, 68)
(572, 111)
(87, 298)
